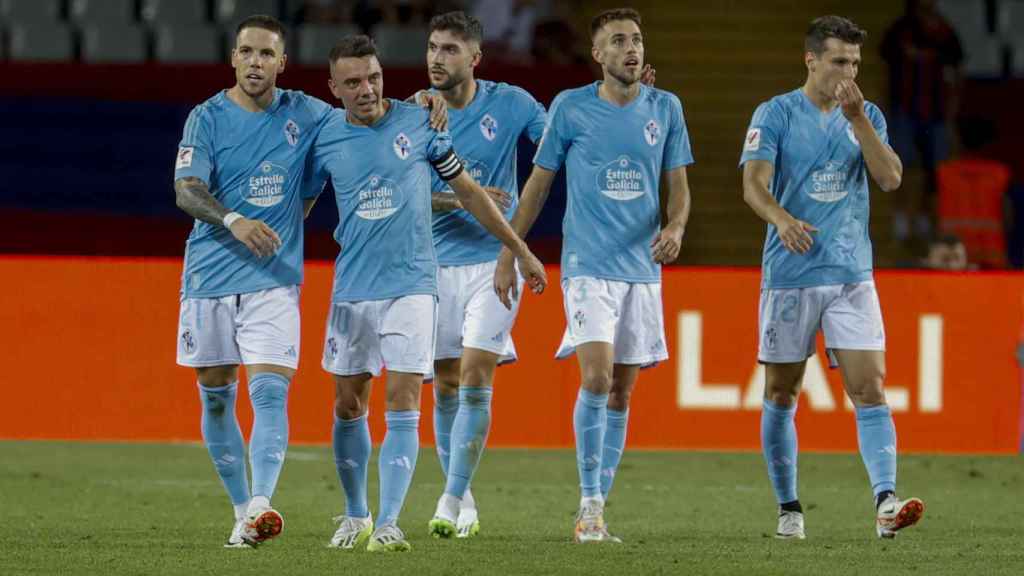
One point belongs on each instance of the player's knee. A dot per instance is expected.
(217, 376)
(349, 406)
(403, 398)
(597, 382)
(619, 399)
(782, 396)
(871, 392)
(446, 385)
(476, 376)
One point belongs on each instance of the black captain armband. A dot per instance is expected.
(448, 167)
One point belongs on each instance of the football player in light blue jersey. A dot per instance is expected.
(616, 138)
(378, 154)
(486, 120)
(806, 160)
(241, 172)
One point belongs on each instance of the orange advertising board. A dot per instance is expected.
(89, 345)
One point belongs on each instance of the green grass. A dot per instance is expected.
(74, 508)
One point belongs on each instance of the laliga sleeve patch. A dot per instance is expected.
(184, 157)
(753, 140)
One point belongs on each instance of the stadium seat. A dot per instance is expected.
(983, 56)
(1017, 58)
(29, 10)
(157, 12)
(401, 45)
(34, 41)
(315, 42)
(1010, 19)
(113, 43)
(233, 11)
(101, 11)
(195, 43)
(967, 16)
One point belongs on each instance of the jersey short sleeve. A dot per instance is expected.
(764, 134)
(556, 139)
(878, 121)
(195, 151)
(677, 147)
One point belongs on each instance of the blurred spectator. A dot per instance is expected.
(973, 200)
(946, 253)
(555, 41)
(369, 13)
(509, 26)
(924, 57)
(324, 12)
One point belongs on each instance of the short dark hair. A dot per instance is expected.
(262, 21)
(611, 16)
(354, 46)
(459, 23)
(951, 240)
(832, 26)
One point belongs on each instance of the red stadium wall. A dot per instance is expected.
(89, 344)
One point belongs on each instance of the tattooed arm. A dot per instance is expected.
(193, 196)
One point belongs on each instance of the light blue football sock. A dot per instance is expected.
(268, 392)
(469, 436)
(876, 436)
(614, 444)
(223, 438)
(446, 406)
(397, 462)
(589, 419)
(352, 460)
(779, 445)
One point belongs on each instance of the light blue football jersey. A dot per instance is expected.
(614, 157)
(485, 133)
(381, 178)
(820, 178)
(256, 164)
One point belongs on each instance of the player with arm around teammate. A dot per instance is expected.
(379, 154)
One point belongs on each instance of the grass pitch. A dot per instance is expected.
(77, 508)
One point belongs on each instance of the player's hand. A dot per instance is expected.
(795, 234)
(850, 99)
(438, 109)
(501, 198)
(647, 75)
(257, 236)
(665, 247)
(533, 272)
(505, 280)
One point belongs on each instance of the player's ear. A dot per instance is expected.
(477, 58)
(810, 60)
(595, 52)
(283, 63)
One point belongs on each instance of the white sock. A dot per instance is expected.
(259, 502)
(467, 500)
(448, 507)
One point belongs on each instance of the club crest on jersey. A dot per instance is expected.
(652, 132)
(489, 127)
(402, 146)
(291, 132)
